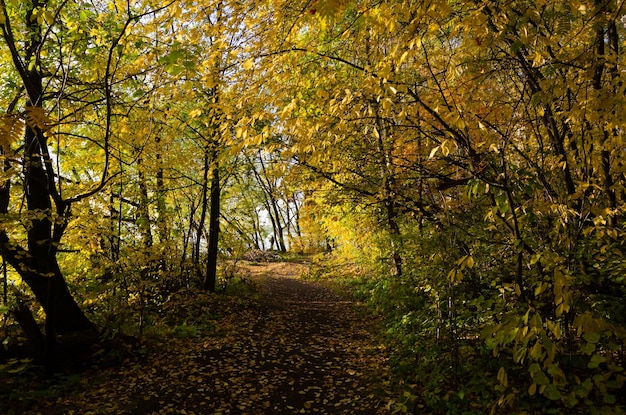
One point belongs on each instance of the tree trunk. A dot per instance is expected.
(297, 216)
(271, 204)
(214, 228)
(37, 263)
(203, 210)
(279, 226)
(162, 224)
(274, 221)
(258, 231)
(391, 214)
(25, 319)
(143, 217)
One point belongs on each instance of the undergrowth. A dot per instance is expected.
(129, 333)
(441, 362)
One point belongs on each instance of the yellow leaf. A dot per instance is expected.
(247, 65)
(469, 262)
(195, 113)
(503, 377)
(48, 17)
(11, 130)
(404, 56)
(433, 152)
(387, 104)
(444, 148)
(538, 59)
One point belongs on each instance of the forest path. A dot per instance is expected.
(312, 351)
(295, 347)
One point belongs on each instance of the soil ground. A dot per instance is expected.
(296, 347)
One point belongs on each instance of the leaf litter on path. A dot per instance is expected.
(296, 348)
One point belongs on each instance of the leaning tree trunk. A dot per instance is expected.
(37, 263)
(47, 212)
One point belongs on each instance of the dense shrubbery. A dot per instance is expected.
(466, 340)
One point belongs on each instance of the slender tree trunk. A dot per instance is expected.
(388, 199)
(279, 226)
(271, 204)
(214, 228)
(609, 36)
(162, 226)
(203, 211)
(270, 191)
(297, 216)
(143, 218)
(258, 234)
(115, 219)
(277, 230)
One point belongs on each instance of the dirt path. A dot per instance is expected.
(306, 350)
(298, 348)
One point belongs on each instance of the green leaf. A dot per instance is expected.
(540, 378)
(551, 392)
(592, 337)
(609, 399)
(595, 361)
(172, 57)
(174, 70)
(588, 348)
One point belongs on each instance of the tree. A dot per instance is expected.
(48, 210)
(47, 78)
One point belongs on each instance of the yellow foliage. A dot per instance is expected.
(11, 131)
(36, 117)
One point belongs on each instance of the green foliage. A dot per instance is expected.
(195, 330)
(462, 343)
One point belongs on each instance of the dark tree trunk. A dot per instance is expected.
(37, 263)
(203, 211)
(279, 226)
(214, 228)
(25, 319)
(259, 243)
(297, 216)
